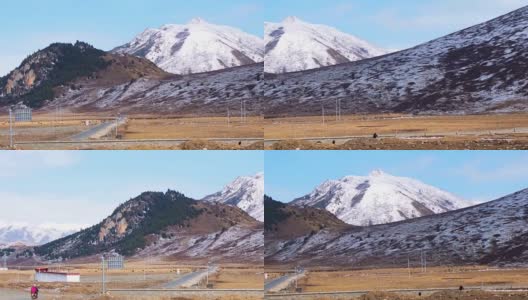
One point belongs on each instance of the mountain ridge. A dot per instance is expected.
(195, 47)
(489, 233)
(245, 192)
(480, 69)
(379, 198)
(294, 45)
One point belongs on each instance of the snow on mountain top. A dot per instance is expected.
(245, 192)
(295, 45)
(28, 234)
(197, 20)
(196, 47)
(379, 198)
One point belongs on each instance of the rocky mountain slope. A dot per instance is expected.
(379, 198)
(32, 235)
(490, 233)
(289, 221)
(294, 45)
(196, 47)
(167, 225)
(83, 78)
(245, 192)
(481, 69)
(59, 68)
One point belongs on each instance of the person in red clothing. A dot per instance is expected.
(34, 292)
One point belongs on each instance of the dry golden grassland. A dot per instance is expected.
(358, 125)
(437, 277)
(239, 278)
(136, 275)
(163, 127)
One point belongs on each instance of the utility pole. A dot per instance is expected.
(337, 110)
(241, 111)
(322, 108)
(425, 261)
(117, 125)
(228, 116)
(10, 127)
(207, 276)
(409, 265)
(103, 268)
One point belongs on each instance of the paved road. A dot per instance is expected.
(191, 279)
(99, 131)
(281, 283)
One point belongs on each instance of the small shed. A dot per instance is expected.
(22, 113)
(45, 275)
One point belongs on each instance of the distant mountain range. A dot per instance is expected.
(32, 235)
(481, 69)
(245, 192)
(491, 233)
(295, 45)
(379, 198)
(196, 47)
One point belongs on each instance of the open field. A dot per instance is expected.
(192, 128)
(136, 275)
(80, 131)
(437, 295)
(508, 131)
(479, 282)
(381, 279)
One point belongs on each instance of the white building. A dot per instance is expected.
(44, 275)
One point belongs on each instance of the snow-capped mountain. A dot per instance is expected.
(32, 235)
(295, 45)
(491, 233)
(245, 192)
(379, 198)
(481, 69)
(195, 47)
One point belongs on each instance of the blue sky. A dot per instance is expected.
(475, 175)
(26, 26)
(395, 24)
(83, 187)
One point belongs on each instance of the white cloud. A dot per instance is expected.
(511, 171)
(15, 163)
(448, 14)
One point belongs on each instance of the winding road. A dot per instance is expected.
(281, 283)
(99, 131)
(191, 279)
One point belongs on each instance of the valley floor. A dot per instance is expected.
(135, 282)
(356, 132)
(91, 131)
(401, 279)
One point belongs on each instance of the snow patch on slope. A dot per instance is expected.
(196, 47)
(380, 198)
(295, 45)
(245, 192)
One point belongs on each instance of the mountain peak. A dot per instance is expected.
(379, 198)
(195, 47)
(198, 20)
(291, 19)
(245, 192)
(296, 45)
(377, 173)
